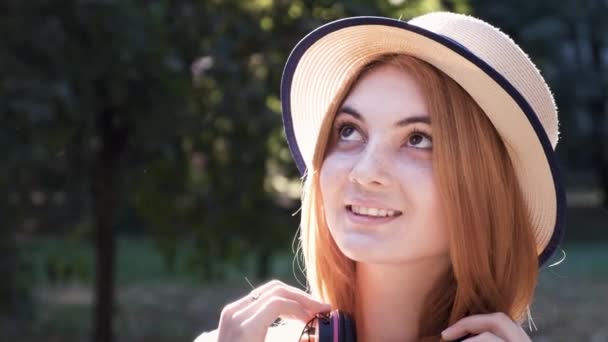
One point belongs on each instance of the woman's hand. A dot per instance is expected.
(248, 318)
(488, 328)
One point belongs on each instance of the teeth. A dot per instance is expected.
(372, 211)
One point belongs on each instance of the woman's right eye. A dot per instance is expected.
(348, 132)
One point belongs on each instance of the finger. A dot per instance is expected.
(308, 303)
(485, 337)
(237, 305)
(227, 324)
(498, 324)
(294, 293)
(258, 322)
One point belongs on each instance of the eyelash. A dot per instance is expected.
(415, 130)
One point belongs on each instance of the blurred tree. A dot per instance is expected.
(87, 90)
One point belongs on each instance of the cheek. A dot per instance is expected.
(419, 186)
(416, 178)
(424, 189)
(332, 178)
(325, 174)
(333, 173)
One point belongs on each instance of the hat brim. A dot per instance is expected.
(324, 61)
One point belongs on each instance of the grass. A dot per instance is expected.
(154, 303)
(138, 260)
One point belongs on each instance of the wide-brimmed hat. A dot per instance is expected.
(488, 64)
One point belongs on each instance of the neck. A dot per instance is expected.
(391, 298)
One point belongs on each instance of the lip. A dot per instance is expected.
(368, 220)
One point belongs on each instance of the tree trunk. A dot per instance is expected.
(112, 136)
(103, 183)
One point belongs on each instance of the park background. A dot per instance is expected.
(146, 177)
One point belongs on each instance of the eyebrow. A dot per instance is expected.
(401, 123)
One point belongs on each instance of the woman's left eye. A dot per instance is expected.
(419, 139)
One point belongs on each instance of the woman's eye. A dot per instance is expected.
(420, 140)
(417, 139)
(348, 132)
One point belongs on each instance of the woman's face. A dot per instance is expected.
(379, 195)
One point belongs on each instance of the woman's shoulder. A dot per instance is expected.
(289, 330)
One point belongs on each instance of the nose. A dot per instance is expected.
(371, 169)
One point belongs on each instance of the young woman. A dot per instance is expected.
(431, 194)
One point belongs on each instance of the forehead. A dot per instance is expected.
(386, 92)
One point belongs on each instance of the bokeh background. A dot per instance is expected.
(146, 180)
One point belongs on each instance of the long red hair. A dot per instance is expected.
(492, 248)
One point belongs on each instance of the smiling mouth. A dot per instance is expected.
(372, 212)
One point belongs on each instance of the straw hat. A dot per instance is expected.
(484, 61)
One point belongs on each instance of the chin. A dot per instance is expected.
(365, 251)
